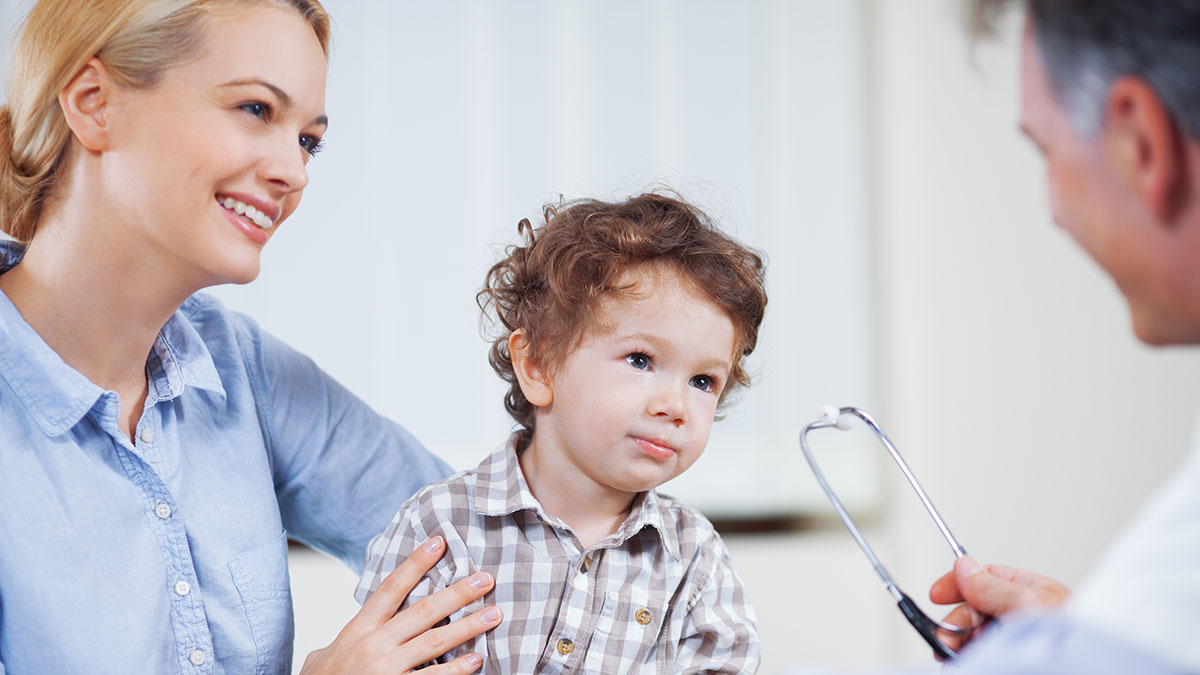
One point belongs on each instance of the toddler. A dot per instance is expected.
(625, 327)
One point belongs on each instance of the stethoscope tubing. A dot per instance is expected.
(925, 625)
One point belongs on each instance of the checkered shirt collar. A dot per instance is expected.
(500, 490)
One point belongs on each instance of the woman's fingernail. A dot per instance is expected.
(480, 580)
(433, 544)
(474, 659)
(490, 615)
(970, 566)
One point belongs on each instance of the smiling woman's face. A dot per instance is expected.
(232, 129)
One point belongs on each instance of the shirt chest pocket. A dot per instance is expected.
(261, 577)
(627, 631)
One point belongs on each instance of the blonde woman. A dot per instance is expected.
(154, 446)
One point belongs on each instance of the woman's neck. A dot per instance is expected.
(93, 300)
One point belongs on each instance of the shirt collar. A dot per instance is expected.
(57, 396)
(500, 489)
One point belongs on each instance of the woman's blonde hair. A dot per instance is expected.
(136, 40)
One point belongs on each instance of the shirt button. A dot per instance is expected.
(147, 435)
(586, 564)
(643, 616)
(565, 646)
(196, 657)
(183, 588)
(163, 510)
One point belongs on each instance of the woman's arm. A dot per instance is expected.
(340, 469)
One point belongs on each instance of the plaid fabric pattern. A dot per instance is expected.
(658, 596)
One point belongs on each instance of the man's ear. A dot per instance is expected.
(84, 102)
(531, 375)
(1145, 145)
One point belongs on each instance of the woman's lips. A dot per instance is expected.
(656, 448)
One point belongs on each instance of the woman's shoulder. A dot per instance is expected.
(209, 316)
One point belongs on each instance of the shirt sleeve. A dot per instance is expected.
(340, 469)
(392, 547)
(1040, 644)
(1146, 587)
(1056, 642)
(720, 634)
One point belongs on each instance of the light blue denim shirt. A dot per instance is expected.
(171, 556)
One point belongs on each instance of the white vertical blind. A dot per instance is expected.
(451, 121)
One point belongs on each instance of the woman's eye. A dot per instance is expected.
(257, 108)
(701, 382)
(638, 360)
(311, 144)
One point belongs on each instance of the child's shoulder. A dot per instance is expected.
(453, 492)
(694, 532)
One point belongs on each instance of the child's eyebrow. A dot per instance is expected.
(713, 363)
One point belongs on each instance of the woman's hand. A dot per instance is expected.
(380, 640)
(990, 590)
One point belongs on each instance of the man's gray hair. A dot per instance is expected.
(1086, 45)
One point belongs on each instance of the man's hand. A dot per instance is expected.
(380, 640)
(988, 591)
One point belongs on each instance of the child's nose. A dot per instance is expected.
(668, 403)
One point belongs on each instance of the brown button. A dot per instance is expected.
(643, 616)
(565, 646)
(586, 564)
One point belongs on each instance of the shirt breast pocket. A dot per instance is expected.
(627, 631)
(261, 577)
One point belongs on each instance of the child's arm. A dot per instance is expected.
(720, 633)
(393, 546)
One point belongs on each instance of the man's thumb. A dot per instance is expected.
(987, 593)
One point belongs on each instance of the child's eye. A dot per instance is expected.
(701, 382)
(311, 144)
(638, 360)
(257, 108)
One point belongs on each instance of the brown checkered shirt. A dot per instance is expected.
(658, 596)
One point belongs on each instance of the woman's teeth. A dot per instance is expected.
(257, 217)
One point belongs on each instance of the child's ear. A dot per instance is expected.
(534, 381)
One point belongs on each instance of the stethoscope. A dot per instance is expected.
(833, 417)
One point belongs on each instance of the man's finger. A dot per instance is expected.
(944, 591)
(963, 616)
(998, 589)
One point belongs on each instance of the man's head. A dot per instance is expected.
(1110, 95)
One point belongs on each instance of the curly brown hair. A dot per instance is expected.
(551, 286)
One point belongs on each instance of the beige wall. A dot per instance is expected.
(1009, 375)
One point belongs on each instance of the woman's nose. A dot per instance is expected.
(284, 165)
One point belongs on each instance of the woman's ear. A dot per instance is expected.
(531, 375)
(84, 103)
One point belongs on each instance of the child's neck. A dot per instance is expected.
(592, 510)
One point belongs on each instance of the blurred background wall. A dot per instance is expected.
(869, 150)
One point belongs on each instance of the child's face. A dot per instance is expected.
(632, 408)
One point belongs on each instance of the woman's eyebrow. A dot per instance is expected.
(284, 100)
